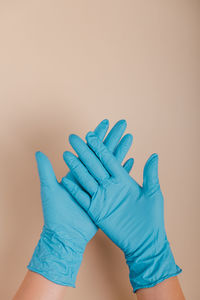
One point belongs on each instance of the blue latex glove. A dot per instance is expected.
(130, 215)
(67, 227)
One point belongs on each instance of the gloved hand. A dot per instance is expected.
(132, 216)
(67, 227)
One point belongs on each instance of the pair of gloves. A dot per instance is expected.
(98, 192)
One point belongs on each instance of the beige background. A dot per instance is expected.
(66, 65)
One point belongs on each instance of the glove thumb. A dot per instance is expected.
(150, 174)
(45, 169)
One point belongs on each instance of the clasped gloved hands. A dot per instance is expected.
(67, 227)
(132, 216)
(98, 192)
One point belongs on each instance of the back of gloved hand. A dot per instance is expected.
(132, 216)
(67, 227)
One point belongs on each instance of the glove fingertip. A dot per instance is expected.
(89, 135)
(72, 137)
(153, 156)
(40, 156)
(129, 137)
(128, 165)
(67, 155)
(37, 154)
(122, 122)
(105, 122)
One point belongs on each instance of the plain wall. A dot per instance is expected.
(65, 66)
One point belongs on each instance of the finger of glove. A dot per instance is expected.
(123, 147)
(45, 169)
(115, 135)
(77, 193)
(105, 156)
(80, 173)
(71, 177)
(102, 129)
(88, 158)
(150, 173)
(128, 165)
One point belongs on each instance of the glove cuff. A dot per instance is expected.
(146, 270)
(56, 258)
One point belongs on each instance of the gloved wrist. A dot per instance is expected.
(147, 268)
(57, 257)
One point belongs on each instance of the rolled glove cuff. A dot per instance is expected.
(146, 270)
(57, 258)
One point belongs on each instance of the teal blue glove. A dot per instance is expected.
(130, 215)
(67, 228)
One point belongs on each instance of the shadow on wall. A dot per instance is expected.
(22, 221)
